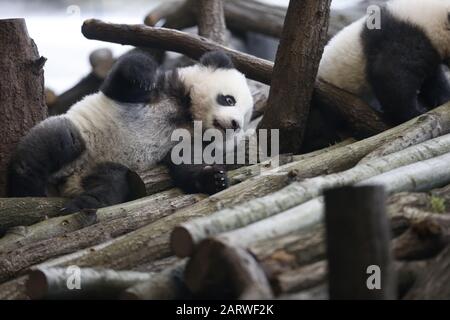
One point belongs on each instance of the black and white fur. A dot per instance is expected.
(90, 153)
(401, 64)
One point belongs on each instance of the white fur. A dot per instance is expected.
(137, 136)
(206, 83)
(343, 63)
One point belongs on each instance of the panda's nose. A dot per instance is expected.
(235, 125)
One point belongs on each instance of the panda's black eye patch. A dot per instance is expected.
(227, 101)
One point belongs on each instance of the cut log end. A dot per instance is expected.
(181, 242)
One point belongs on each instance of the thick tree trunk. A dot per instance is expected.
(22, 102)
(358, 237)
(295, 70)
(211, 20)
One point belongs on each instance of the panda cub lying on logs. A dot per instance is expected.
(400, 63)
(88, 154)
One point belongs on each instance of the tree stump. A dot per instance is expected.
(359, 260)
(22, 102)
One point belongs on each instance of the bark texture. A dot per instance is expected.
(22, 100)
(358, 237)
(295, 70)
(211, 20)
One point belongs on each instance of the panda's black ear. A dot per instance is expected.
(216, 59)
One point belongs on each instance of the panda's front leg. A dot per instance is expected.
(107, 184)
(199, 178)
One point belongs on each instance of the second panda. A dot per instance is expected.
(400, 64)
(88, 154)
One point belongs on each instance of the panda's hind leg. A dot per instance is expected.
(107, 184)
(435, 90)
(397, 92)
(47, 148)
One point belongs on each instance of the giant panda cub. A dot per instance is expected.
(401, 64)
(90, 153)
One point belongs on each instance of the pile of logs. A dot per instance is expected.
(365, 219)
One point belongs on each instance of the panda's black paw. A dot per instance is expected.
(213, 179)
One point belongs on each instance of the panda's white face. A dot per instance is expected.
(220, 97)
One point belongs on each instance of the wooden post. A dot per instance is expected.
(211, 20)
(22, 102)
(358, 237)
(295, 70)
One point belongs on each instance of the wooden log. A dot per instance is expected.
(292, 251)
(14, 289)
(185, 237)
(407, 274)
(244, 173)
(295, 70)
(432, 124)
(22, 235)
(310, 276)
(221, 271)
(139, 210)
(22, 102)
(157, 266)
(317, 293)
(423, 175)
(173, 40)
(177, 14)
(166, 285)
(27, 211)
(84, 283)
(300, 279)
(113, 222)
(211, 20)
(241, 16)
(357, 238)
(425, 238)
(434, 283)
